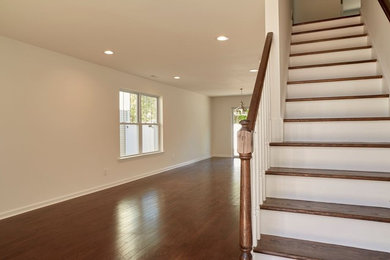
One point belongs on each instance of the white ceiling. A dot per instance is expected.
(150, 37)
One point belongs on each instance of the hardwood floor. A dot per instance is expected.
(186, 213)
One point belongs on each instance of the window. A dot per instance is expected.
(139, 124)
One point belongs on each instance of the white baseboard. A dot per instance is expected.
(257, 256)
(59, 199)
(222, 155)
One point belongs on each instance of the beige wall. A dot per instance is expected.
(309, 10)
(351, 4)
(378, 29)
(59, 127)
(221, 127)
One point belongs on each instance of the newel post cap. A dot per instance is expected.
(244, 124)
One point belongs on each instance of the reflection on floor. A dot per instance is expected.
(186, 213)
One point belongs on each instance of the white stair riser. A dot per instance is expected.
(350, 131)
(331, 72)
(330, 45)
(328, 34)
(341, 88)
(257, 256)
(338, 108)
(340, 158)
(348, 232)
(344, 191)
(332, 57)
(327, 24)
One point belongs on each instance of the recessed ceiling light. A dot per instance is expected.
(108, 52)
(253, 70)
(176, 77)
(222, 38)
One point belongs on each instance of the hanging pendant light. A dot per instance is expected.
(241, 110)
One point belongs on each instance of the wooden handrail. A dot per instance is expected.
(258, 90)
(386, 7)
(245, 149)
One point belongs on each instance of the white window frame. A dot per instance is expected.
(140, 124)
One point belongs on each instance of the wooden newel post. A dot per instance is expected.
(244, 148)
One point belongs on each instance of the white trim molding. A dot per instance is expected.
(222, 155)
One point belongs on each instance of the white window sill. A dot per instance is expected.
(140, 155)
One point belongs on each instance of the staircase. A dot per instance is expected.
(328, 190)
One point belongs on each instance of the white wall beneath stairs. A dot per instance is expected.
(285, 28)
(221, 127)
(378, 27)
(278, 20)
(59, 127)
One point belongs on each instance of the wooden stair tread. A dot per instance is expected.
(332, 64)
(337, 98)
(331, 39)
(329, 28)
(341, 119)
(310, 250)
(333, 144)
(333, 80)
(325, 173)
(378, 214)
(327, 20)
(330, 51)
